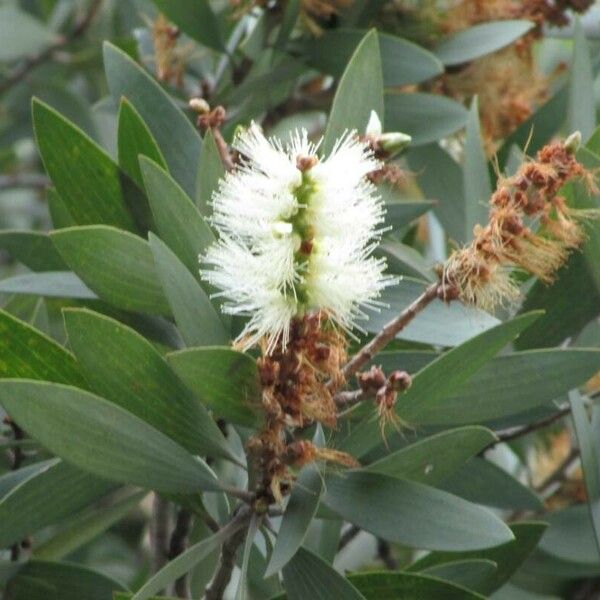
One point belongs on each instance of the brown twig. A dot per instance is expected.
(223, 148)
(559, 474)
(348, 536)
(348, 399)
(507, 435)
(219, 583)
(243, 495)
(35, 60)
(389, 332)
(178, 544)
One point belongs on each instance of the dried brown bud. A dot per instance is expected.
(371, 380)
(399, 381)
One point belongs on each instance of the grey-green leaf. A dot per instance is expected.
(412, 514)
(480, 40)
(309, 576)
(115, 264)
(477, 186)
(102, 438)
(425, 117)
(46, 497)
(223, 379)
(88, 181)
(196, 317)
(196, 19)
(433, 459)
(359, 92)
(125, 368)
(179, 223)
(298, 515)
(581, 108)
(175, 135)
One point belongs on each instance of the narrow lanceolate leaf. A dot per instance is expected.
(48, 495)
(514, 383)
(21, 33)
(42, 580)
(196, 317)
(484, 482)
(468, 573)
(32, 248)
(116, 265)
(178, 221)
(242, 589)
(298, 515)
(184, 563)
(581, 109)
(477, 185)
(59, 213)
(85, 527)
(508, 557)
(359, 92)
(211, 170)
(403, 62)
(441, 378)
(224, 380)
(29, 354)
(51, 284)
(440, 178)
(480, 40)
(412, 514)
(385, 584)
(135, 140)
(445, 375)
(11, 479)
(88, 181)
(102, 438)
(589, 460)
(125, 368)
(309, 576)
(175, 135)
(425, 117)
(195, 19)
(435, 458)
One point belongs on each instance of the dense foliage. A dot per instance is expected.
(359, 368)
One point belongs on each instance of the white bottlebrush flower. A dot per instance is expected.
(296, 233)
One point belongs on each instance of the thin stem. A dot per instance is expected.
(545, 489)
(243, 495)
(348, 536)
(223, 148)
(389, 332)
(218, 585)
(34, 60)
(513, 433)
(159, 533)
(178, 544)
(348, 399)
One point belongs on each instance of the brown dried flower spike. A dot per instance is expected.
(479, 273)
(295, 394)
(169, 57)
